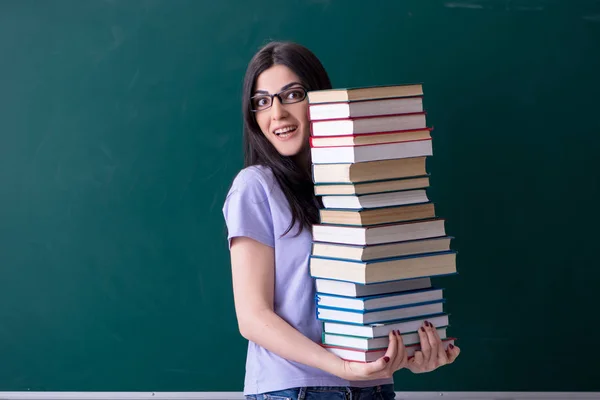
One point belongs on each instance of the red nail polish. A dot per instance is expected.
(451, 346)
(386, 359)
(422, 329)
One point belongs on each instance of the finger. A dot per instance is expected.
(401, 354)
(417, 362)
(383, 362)
(371, 370)
(425, 346)
(436, 345)
(452, 352)
(441, 355)
(392, 349)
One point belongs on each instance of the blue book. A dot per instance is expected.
(351, 289)
(379, 302)
(383, 329)
(365, 343)
(382, 315)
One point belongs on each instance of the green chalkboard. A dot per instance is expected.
(120, 132)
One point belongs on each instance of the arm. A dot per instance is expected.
(253, 280)
(250, 229)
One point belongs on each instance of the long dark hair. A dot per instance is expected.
(295, 181)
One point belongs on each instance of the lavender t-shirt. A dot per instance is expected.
(257, 208)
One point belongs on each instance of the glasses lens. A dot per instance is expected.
(293, 95)
(261, 102)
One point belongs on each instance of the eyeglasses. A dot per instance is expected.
(262, 102)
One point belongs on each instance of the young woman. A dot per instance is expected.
(269, 211)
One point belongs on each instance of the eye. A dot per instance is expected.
(260, 102)
(294, 94)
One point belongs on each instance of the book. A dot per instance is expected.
(351, 289)
(378, 302)
(377, 343)
(378, 234)
(362, 125)
(365, 356)
(391, 185)
(380, 330)
(378, 251)
(378, 243)
(388, 269)
(364, 93)
(379, 316)
(371, 152)
(364, 108)
(376, 200)
(376, 216)
(370, 138)
(370, 171)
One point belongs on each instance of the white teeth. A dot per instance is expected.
(282, 131)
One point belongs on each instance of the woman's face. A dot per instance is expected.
(286, 126)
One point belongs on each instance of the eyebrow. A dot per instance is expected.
(289, 85)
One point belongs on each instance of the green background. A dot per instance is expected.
(121, 132)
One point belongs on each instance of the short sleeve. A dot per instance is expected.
(247, 208)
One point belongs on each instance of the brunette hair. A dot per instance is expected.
(295, 181)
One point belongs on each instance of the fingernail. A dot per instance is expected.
(398, 332)
(422, 329)
(451, 346)
(386, 359)
(411, 357)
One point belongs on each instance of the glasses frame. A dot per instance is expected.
(278, 95)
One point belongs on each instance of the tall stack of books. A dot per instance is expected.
(379, 242)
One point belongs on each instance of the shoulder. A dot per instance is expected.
(247, 207)
(254, 183)
(254, 175)
(254, 180)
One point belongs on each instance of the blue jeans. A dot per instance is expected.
(381, 392)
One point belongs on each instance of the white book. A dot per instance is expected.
(380, 123)
(383, 329)
(371, 152)
(361, 343)
(376, 200)
(376, 234)
(379, 316)
(378, 302)
(352, 289)
(364, 108)
(378, 251)
(373, 355)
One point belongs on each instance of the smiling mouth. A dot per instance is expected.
(285, 132)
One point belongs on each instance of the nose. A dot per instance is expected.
(278, 111)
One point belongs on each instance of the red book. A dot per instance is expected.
(371, 138)
(350, 354)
